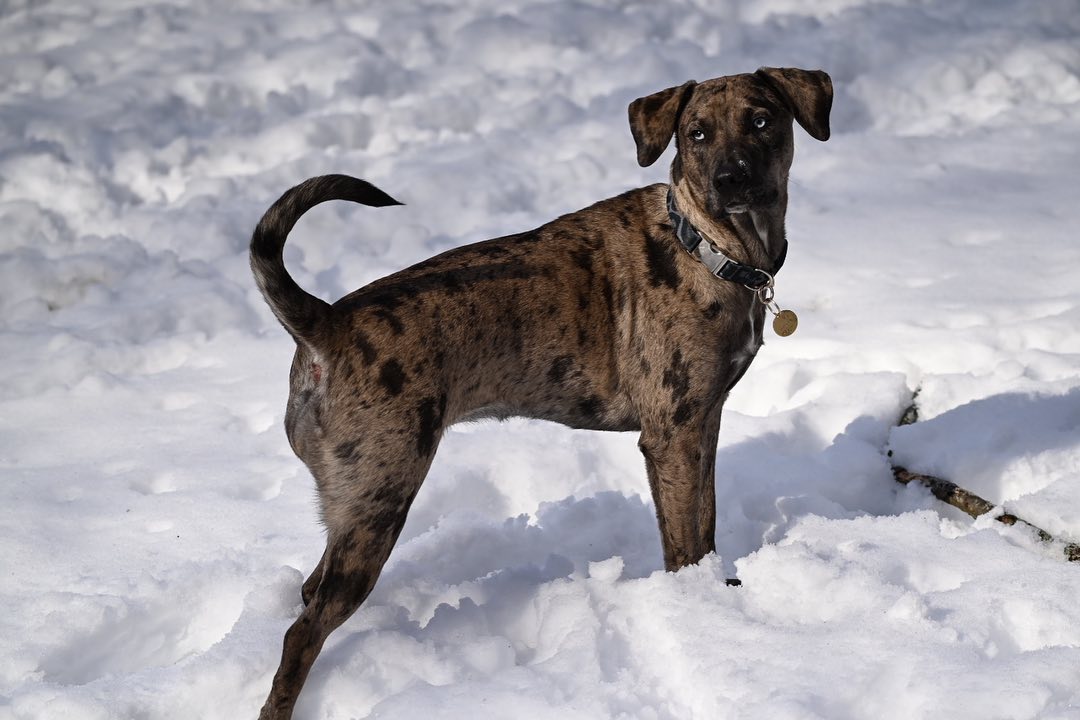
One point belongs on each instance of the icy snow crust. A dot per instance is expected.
(155, 527)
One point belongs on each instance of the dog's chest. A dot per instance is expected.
(743, 343)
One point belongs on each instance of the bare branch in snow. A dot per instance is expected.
(965, 500)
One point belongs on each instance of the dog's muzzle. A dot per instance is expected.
(730, 177)
(733, 188)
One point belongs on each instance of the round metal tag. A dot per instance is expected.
(785, 323)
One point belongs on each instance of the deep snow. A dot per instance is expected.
(155, 526)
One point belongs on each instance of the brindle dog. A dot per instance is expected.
(596, 320)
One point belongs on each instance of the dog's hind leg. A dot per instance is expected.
(313, 580)
(362, 530)
(353, 562)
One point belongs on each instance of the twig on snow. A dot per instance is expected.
(965, 500)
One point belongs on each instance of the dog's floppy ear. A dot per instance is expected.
(808, 93)
(653, 119)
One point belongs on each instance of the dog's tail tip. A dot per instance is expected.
(301, 313)
(381, 199)
(354, 189)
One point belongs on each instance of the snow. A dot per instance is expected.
(155, 527)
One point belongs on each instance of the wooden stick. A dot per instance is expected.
(975, 506)
(965, 500)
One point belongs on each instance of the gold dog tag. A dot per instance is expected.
(785, 323)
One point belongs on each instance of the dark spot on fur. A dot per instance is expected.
(367, 350)
(623, 216)
(677, 376)
(347, 452)
(440, 360)
(683, 413)
(654, 102)
(388, 520)
(661, 259)
(551, 309)
(391, 319)
(341, 587)
(379, 523)
(432, 412)
(676, 169)
(582, 336)
(392, 376)
(385, 492)
(582, 301)
(583, 259)
(606, 293)
(559, 368)
(590, 406)
(713, 311)
(387, 300)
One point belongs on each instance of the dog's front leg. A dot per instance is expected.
(707, 510)
(675, 464)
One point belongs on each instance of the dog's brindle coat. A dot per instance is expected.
(597, 320)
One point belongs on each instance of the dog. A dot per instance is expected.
(639, 313)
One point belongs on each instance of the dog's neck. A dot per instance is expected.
(763, 229)
(755, 238)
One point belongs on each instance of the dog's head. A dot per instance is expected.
(733, 135)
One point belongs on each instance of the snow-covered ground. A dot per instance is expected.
(155, 526)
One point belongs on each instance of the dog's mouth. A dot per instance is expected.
(746, 200)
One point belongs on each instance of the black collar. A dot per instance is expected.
(718, 264)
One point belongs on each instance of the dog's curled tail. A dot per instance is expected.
(300, 312)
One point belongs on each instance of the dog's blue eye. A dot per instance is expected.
(760, 123)
(697, 135)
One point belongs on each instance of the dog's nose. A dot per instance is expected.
(731, 174)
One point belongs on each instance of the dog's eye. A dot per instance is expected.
(761, 122)
(697, 135)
